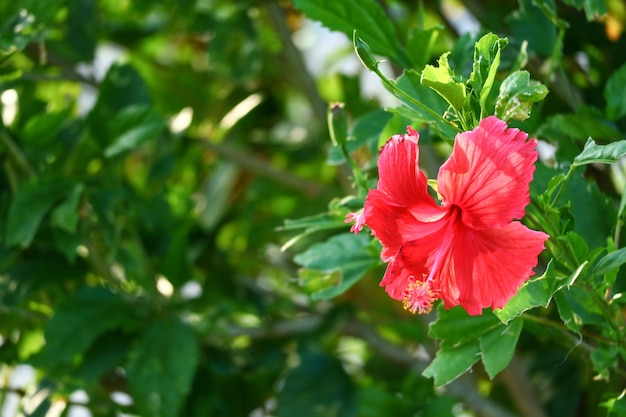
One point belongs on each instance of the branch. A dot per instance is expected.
(524, 396)
(301, 77)
(260, 167)
(464, 388)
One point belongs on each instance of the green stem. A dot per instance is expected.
(392, 88)
(359, 177)
(563, 185)
(17, 153)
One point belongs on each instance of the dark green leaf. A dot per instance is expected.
(304, 392)
(78, 322)
(420, 45)
(32, 201)
(577, 307)
(65, 215)
(367, 17)
(161, 367)
(465, 339)
(615, 94)
(451, 363)
(498, 346)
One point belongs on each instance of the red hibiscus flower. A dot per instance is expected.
(468, 250)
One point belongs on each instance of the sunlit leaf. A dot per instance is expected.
(441, 80)
(517, 94)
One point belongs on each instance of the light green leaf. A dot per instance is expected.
(440, 79)
(615, 94)
(486, 62)
(161, 367)
(498, 346)
(32, 201)
(616, 405)
(367, 17)
(605, 154)
(517, 93)
(346, 253)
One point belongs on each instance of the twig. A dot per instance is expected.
(525, 398)
(16, 152)
(297, 69)
(260, 167)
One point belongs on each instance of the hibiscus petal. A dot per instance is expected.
(488, 174)
(400, 178)
(415, 254)
(485, 268)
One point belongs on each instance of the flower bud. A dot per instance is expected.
(364, 52)
(337, 124)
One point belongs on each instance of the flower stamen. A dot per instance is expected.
(419, 297)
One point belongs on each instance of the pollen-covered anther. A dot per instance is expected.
(419, 297)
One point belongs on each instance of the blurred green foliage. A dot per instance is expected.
(154, 152)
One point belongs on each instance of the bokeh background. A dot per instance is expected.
(151, 152)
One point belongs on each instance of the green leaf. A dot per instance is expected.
(517, 93)
(367, 17)
(440, 79)
(347, 253)
(420, 45)
(577, 308)
(486, 62)
(498, 346)
(615, 94)
(134, 137)
(605, 154)
(121, 89)
(616, 406)
(305, 394)
(465, 339)
(79, 321)
(535, 293)
(161, 367)
(65, 215)
(32, 201)
(449, 364)
(609, 262)
(410, 83)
